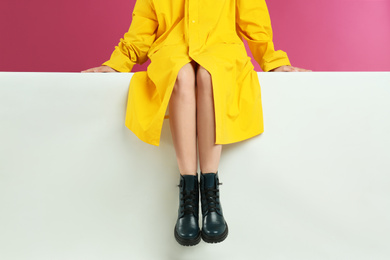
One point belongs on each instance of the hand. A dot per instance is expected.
(288, 68)
(103, 68)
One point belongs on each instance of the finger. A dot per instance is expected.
(303, 70)
(299, 69)
(102, 69)
(90, 70)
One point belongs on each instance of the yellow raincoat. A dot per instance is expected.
(172, 33)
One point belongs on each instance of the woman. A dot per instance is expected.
(201, 73)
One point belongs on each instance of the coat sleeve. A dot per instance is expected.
(135, 44)
(253, 23)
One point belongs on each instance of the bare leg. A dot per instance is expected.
(209, 152)
(182, 119)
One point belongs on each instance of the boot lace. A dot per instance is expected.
(210, 194)
(188, 201)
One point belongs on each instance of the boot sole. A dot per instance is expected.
(216, 239)
(187, 242)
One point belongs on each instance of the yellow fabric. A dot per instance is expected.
(172, 33)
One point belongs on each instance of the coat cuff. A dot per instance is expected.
(267, 66)
(120, 62)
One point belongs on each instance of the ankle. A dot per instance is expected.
(208, 172)
(191, 174)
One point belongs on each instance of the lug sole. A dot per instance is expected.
(215, 239)
(187, 242)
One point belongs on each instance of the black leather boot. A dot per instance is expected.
(187, 232)
(214, 226)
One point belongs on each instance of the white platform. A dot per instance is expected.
(76, 184)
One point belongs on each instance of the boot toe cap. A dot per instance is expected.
(187, 227)
(214, 225)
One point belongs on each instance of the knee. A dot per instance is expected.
(185, 81)
(203, 78)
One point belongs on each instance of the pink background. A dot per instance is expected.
(72, 35)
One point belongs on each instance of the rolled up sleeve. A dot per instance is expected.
(135, 44)
(254, 25)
